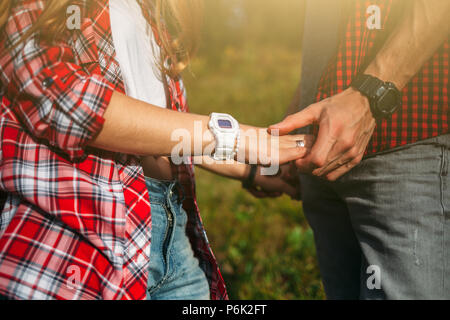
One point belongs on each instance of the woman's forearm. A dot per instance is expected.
(135, 127)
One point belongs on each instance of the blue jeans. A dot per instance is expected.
(383, 230)
(175, 273)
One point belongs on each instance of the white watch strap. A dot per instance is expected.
(225, 146)
(227, 141)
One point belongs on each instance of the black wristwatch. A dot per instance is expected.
(384, 97)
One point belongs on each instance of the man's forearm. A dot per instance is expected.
(422, 30)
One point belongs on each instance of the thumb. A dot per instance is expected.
(296, 121)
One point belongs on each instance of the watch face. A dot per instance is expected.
(225, 124)
(389, 102)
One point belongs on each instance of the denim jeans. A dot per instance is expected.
(175, 273)
(383, 230)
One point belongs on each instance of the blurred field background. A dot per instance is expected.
(249, 66)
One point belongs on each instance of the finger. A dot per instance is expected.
(350, 156)
(304, 166)
(289, 150)
(296, 121)
(353, 152)
(288, 155)
(339, 161)
(335, 165)
(319, 154)
(298, 141)
(339, 172)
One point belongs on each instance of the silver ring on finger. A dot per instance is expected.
(300, 143)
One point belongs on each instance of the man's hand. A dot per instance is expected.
(345, 124)
(286, 182)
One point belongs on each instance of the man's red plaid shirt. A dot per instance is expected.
(76, 222)
(425, 110)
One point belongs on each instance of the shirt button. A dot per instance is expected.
(47, 82)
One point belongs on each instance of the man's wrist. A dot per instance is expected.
(385, 73)
(364, 100)
(384, 97)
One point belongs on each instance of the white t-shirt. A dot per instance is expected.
(135, 52)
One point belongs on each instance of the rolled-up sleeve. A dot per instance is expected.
(55, 99)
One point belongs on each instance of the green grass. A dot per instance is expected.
(264, 247)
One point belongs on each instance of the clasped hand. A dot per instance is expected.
(345, 125)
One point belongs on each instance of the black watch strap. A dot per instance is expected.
(367, 85)
(249, 182)
(384, 97)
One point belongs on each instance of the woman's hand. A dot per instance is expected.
(257, 146)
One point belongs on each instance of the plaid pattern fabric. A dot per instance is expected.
(425, 110)
(76, 221)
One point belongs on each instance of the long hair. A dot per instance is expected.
(178, 24)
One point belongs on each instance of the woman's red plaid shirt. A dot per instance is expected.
(76, 221)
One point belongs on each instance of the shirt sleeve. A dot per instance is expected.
(55, 100)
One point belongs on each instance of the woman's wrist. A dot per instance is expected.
(242, 150)
(250, 142)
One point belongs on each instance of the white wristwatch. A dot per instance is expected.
(227, 132)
